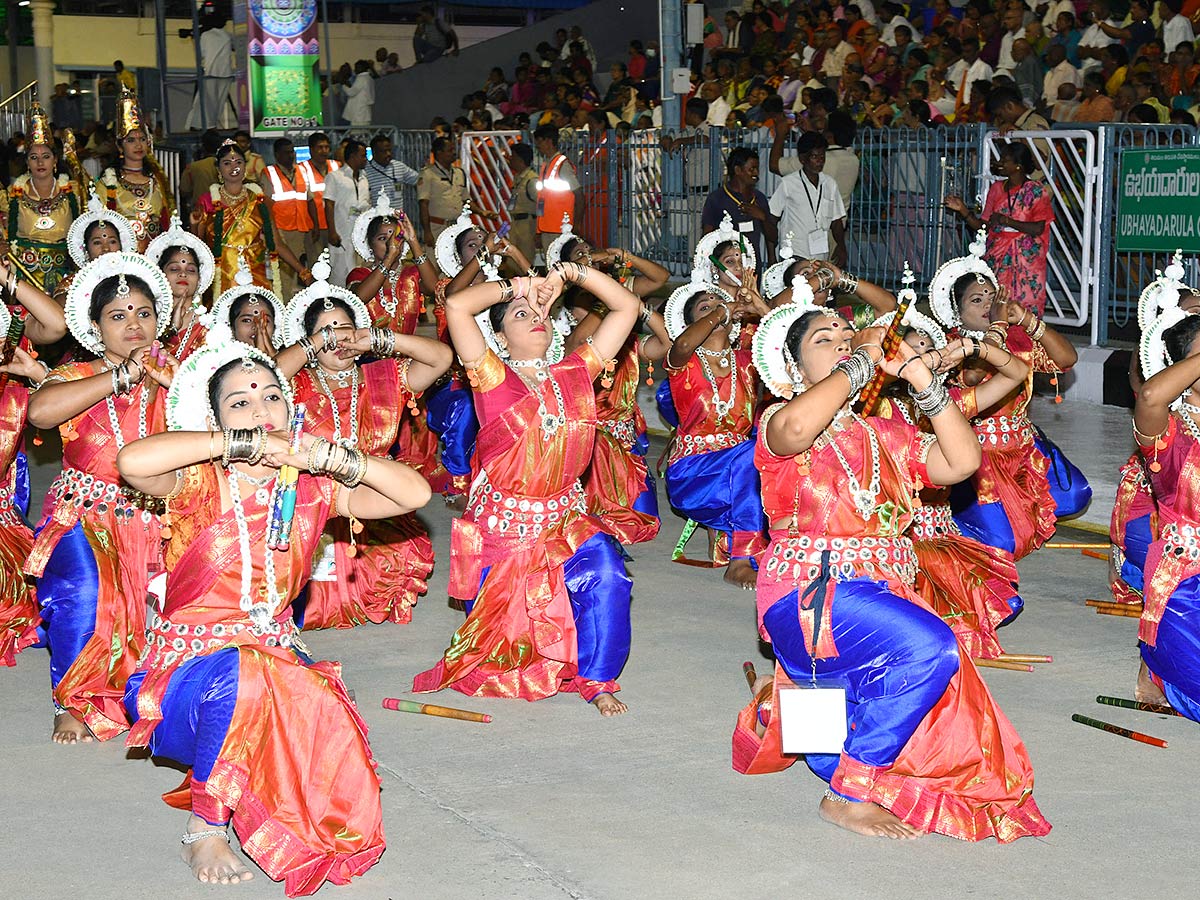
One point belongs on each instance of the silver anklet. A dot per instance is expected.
(836, 798)
(190, 837)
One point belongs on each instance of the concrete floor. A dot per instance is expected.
(551, 801)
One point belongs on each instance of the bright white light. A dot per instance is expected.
(23, 3)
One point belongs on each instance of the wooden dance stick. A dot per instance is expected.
(1003, 664)
(1094, 554)
(1117, 729)
(1121, 610)
(428, 709)
(1025, 658)
(1064, 545)
(751, 675)
(1138, 704)
(1104, 603)
(891, 342)
(16, 328)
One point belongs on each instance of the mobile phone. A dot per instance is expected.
(503, 230)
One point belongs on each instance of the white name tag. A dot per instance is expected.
(325, 568)
(746, 227)
(812, 720)
(818, 242)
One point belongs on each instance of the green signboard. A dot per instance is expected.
(1158, 200)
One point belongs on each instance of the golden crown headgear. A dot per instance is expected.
(38, 130)
(129, 115)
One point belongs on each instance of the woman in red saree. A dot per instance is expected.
(378, 574)
(189, 267)
(95, 552)
(620, 490)
(19, 617)
(550, 607)
(927, 749)
(1018, 212)
(271, 738)
(1008, 502)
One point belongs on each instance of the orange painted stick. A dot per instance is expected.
(1117, 729)
(1105, 604)
(1094, 554)
(751, 675)
(428, 709)
(1003, 664)
(1063, 545)
(1120, 611)
(1025, 658)
(890, 343)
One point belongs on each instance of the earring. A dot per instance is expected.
(93, 332)
(503, 345)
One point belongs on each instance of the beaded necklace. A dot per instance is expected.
(118, 434)
(259, 613)
(726, 357)
(864, 499)
(352, 440)
(550, 423)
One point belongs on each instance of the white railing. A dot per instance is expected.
(13, 110)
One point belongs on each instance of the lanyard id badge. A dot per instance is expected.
(812, 719)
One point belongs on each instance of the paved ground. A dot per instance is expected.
(550, 801)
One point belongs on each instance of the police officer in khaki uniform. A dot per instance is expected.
(441, 191)
(522, 208)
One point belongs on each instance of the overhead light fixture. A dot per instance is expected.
(23, 3)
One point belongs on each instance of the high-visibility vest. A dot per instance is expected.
(316, 184)
(289, 203)
(555, 198)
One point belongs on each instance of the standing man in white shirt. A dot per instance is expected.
(1176, 28)
(809, 205)
(1095, 38)
(347, 193)
(216, 62)
(718, 107)
(1013, 21)
(386, 174)
(968, 70)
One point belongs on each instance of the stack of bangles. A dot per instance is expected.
(243, 445)
(347, 465)
(420, 260)
(997, 333)
(847, 284)
(933, 399)
(11, 286)
(580, 271)
(1039, 327)
(328, 343)
(383, 342)
(122, 379)
(514, 289)
(859, 367)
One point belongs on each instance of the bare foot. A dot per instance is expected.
(608, 705)
(456, 502)
(741, 573)
(763, 687)
(1147, 691)
(869, 819)
(212, 860)
(69, 730)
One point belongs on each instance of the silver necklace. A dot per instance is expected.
(259, 613)
(864, 499)
(1192, 408)
(1189, 424)
(550, 422)
(352, 440)
(261, 493)
(389, 306)
(722, 407)
(118, 434)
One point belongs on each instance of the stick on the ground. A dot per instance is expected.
(428, 709)
(1118, 730)
(1063, 545)
(751, 675)
(1025, 658)
(1003, 664)
(1138, 704)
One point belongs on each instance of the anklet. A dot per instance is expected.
(190, 837)
(836, 798)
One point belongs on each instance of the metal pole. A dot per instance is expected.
(199, 67)
(160, 55)
(670, 28)
(12, 48)
(329, 123)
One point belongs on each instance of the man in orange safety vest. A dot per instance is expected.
(557, 187)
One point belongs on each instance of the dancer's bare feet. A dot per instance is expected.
(739, 572)
(212, 860)
(1147, 691)
(69, 730)
(868, 819)
(762, 690)
(608, 705)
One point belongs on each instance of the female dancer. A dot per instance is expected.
(271, 739)
(40, 207)
(927, 749)
(189, 267)
(94, 552)
(1166, 425)
(551, 595)
(139, 190)
(1018, 213)
(233, 220)
(19, 617)
(852, 296)
(1012, 507)
(973, 587)
(393, 293)
(375, 575)
(714, 389)
(98, 231)
(620, 490)
(250, 315)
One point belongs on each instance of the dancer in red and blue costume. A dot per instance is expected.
(927, 749)
(551, 597)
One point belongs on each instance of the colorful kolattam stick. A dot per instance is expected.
(1003, 664)
(428, 709)
(280, 533)
(890, 343)
(1118, 730)
(751, 675)
(1025, 658)
(1138, 704)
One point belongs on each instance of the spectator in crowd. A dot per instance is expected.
(386, 174)
(1176, 28)
(1095, 105)
(747, 206)
(360, 96)
(575, 36)
(1095, 39)
(965, 73)
(1060, 72)
(347, 194)
(1028, 73)
(65, 109)
(441, 190)
(216, 62)
(255, 164)
(201, 173)
(432, 38)
(808, 205)
(287, 200)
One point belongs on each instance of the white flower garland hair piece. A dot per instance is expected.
(83, 285)
(362, 224)
(97, 212)
(445, 248)
(673, 312)
(177, 236)
(774, 277)
(941, 287)
(705, 248)
(1152, 350)
(188, 407)
(218, 320)
(1162, 293)
(554, 251)
(320, 291)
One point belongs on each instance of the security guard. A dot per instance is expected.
(522, 208)
(287, 199)
(441, 191)
(557, 187)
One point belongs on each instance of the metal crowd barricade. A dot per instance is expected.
(173, 162)
(1124, 275)
(484, 156)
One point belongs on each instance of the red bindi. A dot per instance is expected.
(253, 385)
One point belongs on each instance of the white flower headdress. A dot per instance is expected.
(320, 291)
(555, 250)
(779, 371)
(1162, 293)
(913, 318)
(218, 320)
(362, 224)
(774, 277)
(177, 236)
(83, 285)
(445, 248)
(97, 212)
(707, 246)
(673, 312)
(188, 407)
(941, 287)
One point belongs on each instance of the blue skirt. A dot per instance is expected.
(720, 490)
(1175, 658)
(1068, 486)
(1137, 544)
(450, 413)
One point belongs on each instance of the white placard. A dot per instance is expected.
(812, 720)
(693, 30)
(681, 81)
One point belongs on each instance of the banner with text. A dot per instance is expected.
(1158, 200)
(283, 52)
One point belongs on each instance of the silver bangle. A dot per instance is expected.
(421, 260)
(932, 400)
(858, 367)
(847, 284)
